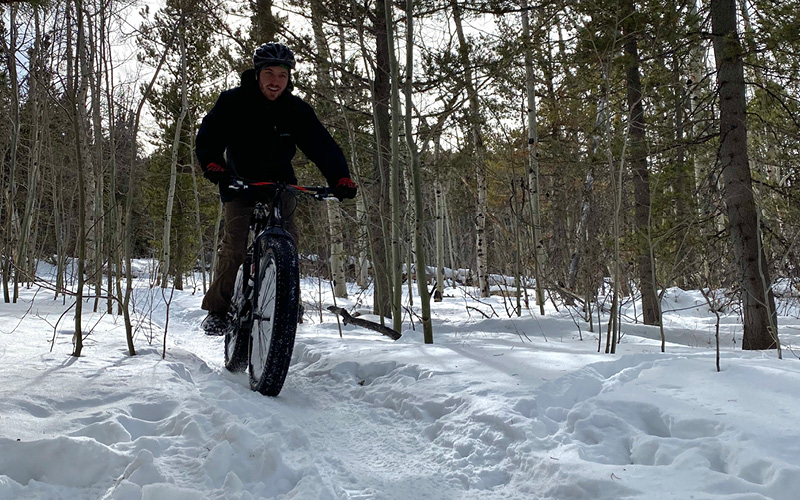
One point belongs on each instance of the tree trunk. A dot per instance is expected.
(381, 92)
(78, 94)
(96, 41)
(758, 302)
(641, 179)
(362, 263)
(10, 260)
(325, 84)
(481, 243)
(616, 192)
(25, 254)
(533, 161)
(264, 24)
(337, 250)
(394, 175)
(128, 225)
(419, 240)
(438, 292)
(173, 177)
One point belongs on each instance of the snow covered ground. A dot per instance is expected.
(498, 408)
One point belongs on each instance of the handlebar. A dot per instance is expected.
(318, 192)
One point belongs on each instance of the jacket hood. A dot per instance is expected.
(249, 80)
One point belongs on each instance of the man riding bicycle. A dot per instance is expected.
(253, 132)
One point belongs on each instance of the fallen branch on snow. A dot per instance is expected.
(365, 323)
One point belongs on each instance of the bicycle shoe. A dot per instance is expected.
(215, 323)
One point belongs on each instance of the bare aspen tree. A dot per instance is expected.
(12, 222)
(114, 227)
(692, 103)
(481, 243)
(516, 209)
(173, 177)
(60, 233)
(581, 229)
(337, 260)
(334, 210)
(758, 303)
(95, 40)
(448, 226)
(394, 175)
(362, 263)
(616, 193)
(362, 259)
(416, 175)
(408, 230)
(85, 68)
(25, 255)
(533, 158)
(78, 80)
(128, 225)
(438, 293)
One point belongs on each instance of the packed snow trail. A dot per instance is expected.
(373, 429)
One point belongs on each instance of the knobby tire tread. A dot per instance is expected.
(287, 291)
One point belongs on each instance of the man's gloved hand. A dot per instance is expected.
(345, 189)
(217, 174)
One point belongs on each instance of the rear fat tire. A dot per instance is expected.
(274, 318)
(237, 335)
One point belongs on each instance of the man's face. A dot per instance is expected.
(272, 81)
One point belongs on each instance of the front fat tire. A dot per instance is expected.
(274, 315)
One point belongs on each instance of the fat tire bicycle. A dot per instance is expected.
(264, 312)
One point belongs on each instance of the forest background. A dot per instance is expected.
(612, 147)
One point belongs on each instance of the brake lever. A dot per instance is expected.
(237, 184)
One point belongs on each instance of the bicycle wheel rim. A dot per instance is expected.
(263, 315)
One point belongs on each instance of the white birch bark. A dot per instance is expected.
(394, 176)
(324, 80)
(337, 260)
(25, 255)
(78, 94)
(533, 161)
(438, 293)
(362, 261)
(481, 245)
(12, 222)
(95, 26)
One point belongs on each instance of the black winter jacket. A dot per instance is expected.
(255, 138)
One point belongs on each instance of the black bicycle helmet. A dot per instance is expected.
(273, 54)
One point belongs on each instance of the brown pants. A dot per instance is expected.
(237, 214)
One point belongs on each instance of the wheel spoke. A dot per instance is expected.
(261, 334)
(274, 315)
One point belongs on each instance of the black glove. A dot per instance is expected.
(217, 174)
(345, 189)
